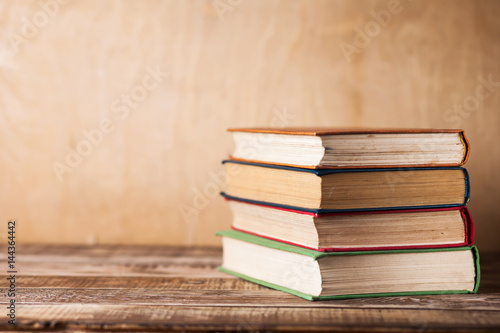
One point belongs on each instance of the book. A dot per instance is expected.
(331, 190)
(316, 275)
(355, 231)
(351, 148)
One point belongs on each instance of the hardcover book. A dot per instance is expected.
(336, 190)
(355, 231)
(316, 275)
(351, 148)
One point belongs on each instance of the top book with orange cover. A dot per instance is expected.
(331, 148)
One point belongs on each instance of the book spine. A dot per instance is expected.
(475, 253)
(467, 186)
(469, 225)
(466, 144)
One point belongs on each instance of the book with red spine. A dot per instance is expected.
(356, 231)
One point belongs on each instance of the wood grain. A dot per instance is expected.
(261, 63)
(51, 298)
(201, 318)
(237, 294)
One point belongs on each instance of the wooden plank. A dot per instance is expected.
(154, 317)
(488, 290)
(126, 282)
(118, 261)
(222, 291)
(202, 270)
(225, 294)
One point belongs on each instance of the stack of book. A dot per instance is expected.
(327, 214)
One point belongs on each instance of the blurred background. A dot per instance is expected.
(113, 114)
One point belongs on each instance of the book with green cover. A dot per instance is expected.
(316, 275)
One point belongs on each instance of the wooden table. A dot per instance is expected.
(155, 288)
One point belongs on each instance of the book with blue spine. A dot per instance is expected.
(337, 190)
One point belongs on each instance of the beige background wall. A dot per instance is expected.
(65, 69)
